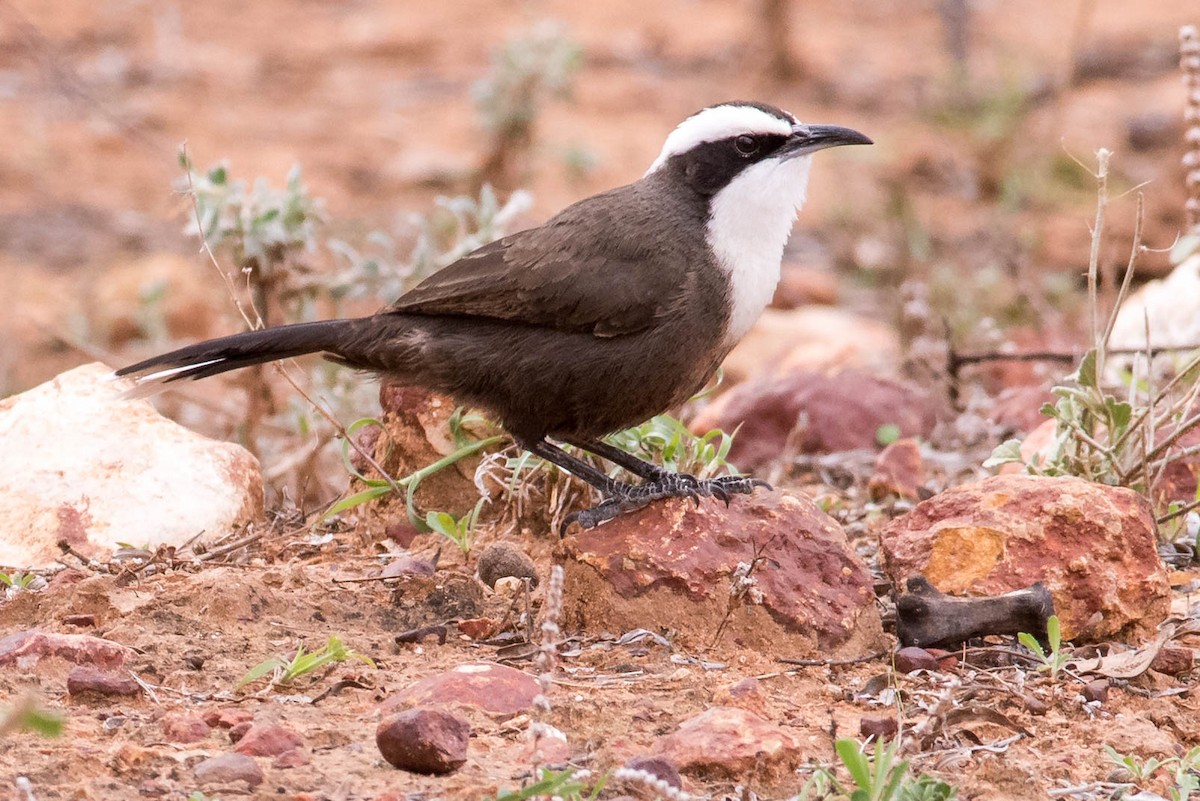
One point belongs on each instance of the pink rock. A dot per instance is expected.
(843, 412)
(492, 688)
(728, 742)
(672, 564)
(226, 769)
(292, 758)
(183, 727)
(424, 740)
(25, 648)
(227, 718)
(899, 470)
(1093, 546)
(268, 739)
(84, 679)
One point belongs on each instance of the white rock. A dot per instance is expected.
(80, 463)
(1171, 306)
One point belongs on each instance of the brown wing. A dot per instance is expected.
(588, 269)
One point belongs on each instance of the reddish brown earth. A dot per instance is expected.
(371, 97)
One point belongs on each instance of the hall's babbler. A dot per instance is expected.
(616, 309)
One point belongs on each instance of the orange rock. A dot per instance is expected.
(899, 470)
(728, 742)
(1093, 546)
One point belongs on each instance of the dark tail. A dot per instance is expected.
(242, 350)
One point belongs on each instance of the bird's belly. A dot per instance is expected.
(542, 382)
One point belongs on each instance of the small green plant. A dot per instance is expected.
(879, 777)
(461, 531)
(1053, 660)
(533, 67)
(568, 785)
(286, 670)
(667, 441)
(17, 581)
(25, 715)
(1185, 770)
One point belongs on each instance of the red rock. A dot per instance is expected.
(728, 742)
(671, 565)
(899, 470)
(1096, 690)
(227, 718)
(492, 688)
(906, 660)
(292, 758)
(238, 730)
(226, 769)
(1035, 706)
(83, 679)
(946, 659)
(1020, 408)
(25, 648)
(1093, 546)
(268, 739)
(183, 727)
(1174, 660)
(479, 628)
(745, 694)
(843, 411)
(79, 620)
(424, 740)
(881, 728)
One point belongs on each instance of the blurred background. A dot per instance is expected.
(977, 196)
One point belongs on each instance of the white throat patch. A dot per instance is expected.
(719, 122)
(749, 223)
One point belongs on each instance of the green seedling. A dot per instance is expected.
(17, 581)
(883, 777)
(462, 531)
(285, 670)
(26, 716)
(562, 784)
(1053, 660)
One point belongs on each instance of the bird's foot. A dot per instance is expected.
(630, 498)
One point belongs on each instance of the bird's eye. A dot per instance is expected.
(745, 145)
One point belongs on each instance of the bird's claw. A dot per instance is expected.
(629, 498)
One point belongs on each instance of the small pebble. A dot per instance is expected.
(424, 740)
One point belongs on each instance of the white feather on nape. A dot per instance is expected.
(749, 222)
(720, 122)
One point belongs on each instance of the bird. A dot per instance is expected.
(616, 309)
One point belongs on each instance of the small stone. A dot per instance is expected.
(899, 470)
(83, 621)
(227, 718)
(729, 742)
(424, 740)
(238, 730)
(1174, 660)
(268, 739)
(509, 587)
(83, 679)
(503, 560)
(906, 660)
(227, 769)
(490, 687)
(405, 565)
(656, 766)
(183, 727)
(25, 648)
(1096, 691)
(745, 694)
(1035, 706)
(479, 628)
(881, 728)
(292, 758)
(193, 660)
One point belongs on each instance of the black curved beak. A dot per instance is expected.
(811, 138)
